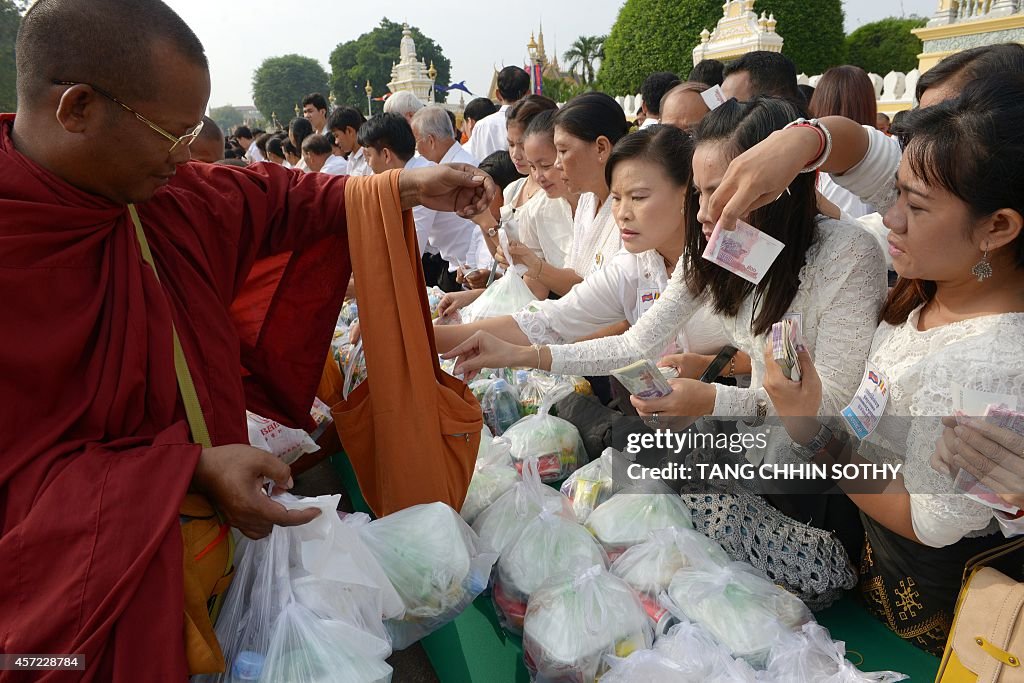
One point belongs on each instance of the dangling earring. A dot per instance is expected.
(982, 269)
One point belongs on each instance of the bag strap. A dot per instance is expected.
(194, 412)
(991, 555)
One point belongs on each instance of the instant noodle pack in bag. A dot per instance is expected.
(549, 546)
(555, 443)
(573, 622)
(502, 522)
(434, 560)
(743, 610)
(492, 477)
(649, 567)
(627, 519)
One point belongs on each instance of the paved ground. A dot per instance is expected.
(411, 665)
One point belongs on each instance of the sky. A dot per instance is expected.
(475, 35)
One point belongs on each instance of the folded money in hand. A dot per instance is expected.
(644, 380)
(745, 251)
(786, 341)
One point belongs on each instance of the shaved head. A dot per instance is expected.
(108, 43)
(209, 146)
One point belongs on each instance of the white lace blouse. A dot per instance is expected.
(873, 179)
(596, 237)
(922, 370)
(622, 290)
(842, 286)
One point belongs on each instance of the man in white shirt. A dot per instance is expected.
(344, 123)
(489, 134)
(653, 90)
(389, 143)
(435, 138)
(477, 110)
(314, 110)
(317, 153)
(246, 141)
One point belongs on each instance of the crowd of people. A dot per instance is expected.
(903, 261)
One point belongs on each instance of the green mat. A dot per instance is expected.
(475, 649)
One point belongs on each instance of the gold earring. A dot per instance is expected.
(983, 268)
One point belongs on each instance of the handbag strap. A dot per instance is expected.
(991, 555)
(194, 412)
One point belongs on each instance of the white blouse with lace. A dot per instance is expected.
(596, 237)
(873, 179)
(622, 290)
(842, 286)
(922, 369)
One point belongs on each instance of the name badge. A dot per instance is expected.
(645, 298)
(868, 403)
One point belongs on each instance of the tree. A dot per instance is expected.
(582, 54)
(10, 20)
(227, 117)
(281, 82)
(886, 45)
(813, 31)
(653, 35)
(369, 58)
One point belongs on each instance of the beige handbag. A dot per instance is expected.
(986, 642)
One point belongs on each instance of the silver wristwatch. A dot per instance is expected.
(815, 445)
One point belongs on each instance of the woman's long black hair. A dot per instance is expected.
(792, 219)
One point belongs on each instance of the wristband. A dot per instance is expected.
(824, 148)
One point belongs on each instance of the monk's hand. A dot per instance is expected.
(234, 478)
(459, 188)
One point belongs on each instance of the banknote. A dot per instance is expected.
(643, 379)
(1001, 416)
(745, 251)
(785, 343)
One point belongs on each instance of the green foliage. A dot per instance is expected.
(563, 89)
(281, 82)
(886, 45)
(582, 54)
(227, 117)
(653, 35)
(10, 20)
(369, 58)
(813, 32)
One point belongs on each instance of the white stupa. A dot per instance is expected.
(411, 73)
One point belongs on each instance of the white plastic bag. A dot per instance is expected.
(502, 522)
(647, 666)
(592, 484)
(286, 443)
(503, 297)
(742, 609)
(628, 518)
(811, 655)
(499, 402)
(493, 475)
(306, 649)
(701, 657)
(434, 560)
(549, 546)
(649, 567)
(573, 622)
(554, 442)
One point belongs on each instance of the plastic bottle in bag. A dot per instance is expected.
(591, 485)
(500, 406)
(554, 442)
(248, 666)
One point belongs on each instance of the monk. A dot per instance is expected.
(95, 450)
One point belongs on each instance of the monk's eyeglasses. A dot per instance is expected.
(187, 139)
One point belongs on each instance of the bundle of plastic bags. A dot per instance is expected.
(305, 602)
(649, 567)
(549, 546)
(592, 484)
(628, 518)
(493, 476)
(499, 402)
(745, 612)
(555, 443)
(573, 622)
(811, 655)
(434, 560)
(503, 521)
(503, 297)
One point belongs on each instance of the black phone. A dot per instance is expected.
(713, 370)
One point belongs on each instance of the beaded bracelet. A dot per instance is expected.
(825, 147)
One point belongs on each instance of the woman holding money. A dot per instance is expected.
(951, 341)
(830, 277)
(648, 173)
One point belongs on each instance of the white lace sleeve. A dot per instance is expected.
(874, 178)
(651, 333)
(845, 285)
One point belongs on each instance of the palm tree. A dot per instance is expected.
(583, 53)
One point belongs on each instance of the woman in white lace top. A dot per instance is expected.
(951, 340)
(830, 275)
